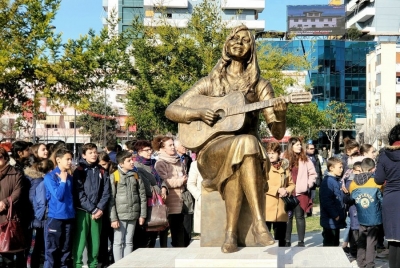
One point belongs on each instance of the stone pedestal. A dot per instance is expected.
(213, 221)
(196, 256)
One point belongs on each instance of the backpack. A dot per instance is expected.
(117, 176)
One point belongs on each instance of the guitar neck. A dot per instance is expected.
(253, 106)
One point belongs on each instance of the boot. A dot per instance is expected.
(261, 234)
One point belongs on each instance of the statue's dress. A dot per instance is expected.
(220, 157)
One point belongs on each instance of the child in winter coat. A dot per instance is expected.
(128, 203)
(37, 196)
(331, 203)
(91, 194)
(61, 212)
(368, 201)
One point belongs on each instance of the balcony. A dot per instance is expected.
(105, 5)
(367, 29)
(258, 25)
(351, 6)
(362, 15)
(154, 22)
(258, 5)
(166, 3)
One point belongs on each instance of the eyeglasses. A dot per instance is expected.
(147, 150)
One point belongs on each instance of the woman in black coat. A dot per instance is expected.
(388, 171)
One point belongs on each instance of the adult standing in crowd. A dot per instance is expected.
(303, 175)
(280, 184)
(152, 182)
(11, 183)
(194, 186)
(313, 157)
(169, 167)
(324, 154)
(351, 150)
(186, 161)
(39, 152)
(388, 171)
(368, 151)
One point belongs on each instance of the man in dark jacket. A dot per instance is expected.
(91, 192)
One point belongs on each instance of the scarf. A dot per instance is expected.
(150, 163)
(277, 164)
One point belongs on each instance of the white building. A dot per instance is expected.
(178, 12)
(372, 16)
(383, 91)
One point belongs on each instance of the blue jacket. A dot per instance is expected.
(36, 187)
(331, 203)
(91, 187)
(354, 224)
(61, 205)
(368, 199)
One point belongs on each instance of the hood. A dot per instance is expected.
(393, 153)
(167, 158)
(33, 173)
(361, 179)
(84, 164)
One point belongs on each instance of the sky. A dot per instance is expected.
(76, 17)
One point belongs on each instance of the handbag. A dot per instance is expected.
(157, 213)
(11, 237)
(291, 202)
(188, 202)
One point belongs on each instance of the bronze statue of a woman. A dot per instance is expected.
(235, 164)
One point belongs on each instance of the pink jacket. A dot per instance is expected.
(306, 177)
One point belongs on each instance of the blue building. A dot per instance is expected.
(338, 70)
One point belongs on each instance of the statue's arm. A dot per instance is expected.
(274, 116)
(178, 112)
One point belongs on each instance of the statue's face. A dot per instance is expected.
(238, 47)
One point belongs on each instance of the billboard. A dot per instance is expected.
(316, 20)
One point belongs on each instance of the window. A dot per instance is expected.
(378, 80)
(296, 20)
(330, 19)
(378, 59)
(321, 19)
(326, 25)
(169, 15)
(313, 26)
(51, 126)
(312, 20)
(304, 20)
(71, 125)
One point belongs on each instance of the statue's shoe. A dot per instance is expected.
(230, 243)
(261, 234)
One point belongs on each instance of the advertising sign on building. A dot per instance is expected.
(311, 20)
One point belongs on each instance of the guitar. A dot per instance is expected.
(231, 110)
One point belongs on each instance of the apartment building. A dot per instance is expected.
(371, 16)
(383, 91)
(178, 12)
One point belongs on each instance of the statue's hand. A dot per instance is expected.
(280, 108)
(208, 116)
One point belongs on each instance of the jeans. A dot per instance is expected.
(123, 239)
(300, 224)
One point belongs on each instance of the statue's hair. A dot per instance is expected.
(251, 73)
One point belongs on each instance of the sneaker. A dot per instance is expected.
(346, 250)
(383, 254)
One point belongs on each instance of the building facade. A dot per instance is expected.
(383, 92)
(372, 16)
(338, 70)
(178, 12)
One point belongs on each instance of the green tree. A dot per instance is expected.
(338, 117)
(168, 61)
(305, 120)
(98, 121)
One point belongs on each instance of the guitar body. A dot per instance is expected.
(197, 133)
